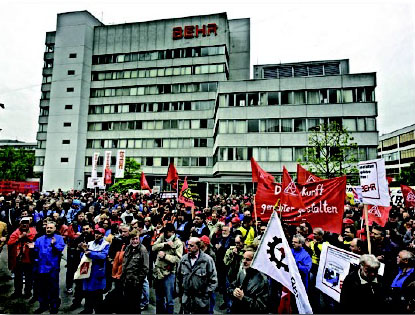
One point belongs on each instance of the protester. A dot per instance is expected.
(48, 250)
(196, 279)
(302, 258)
(135, 268)
(250, 290)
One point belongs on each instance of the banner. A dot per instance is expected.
(94, 168)
(290, 196)
(408, 195)
(8, 186)
(305, 177)
(107, 176)
(107, 163)
(335, 265)
(275, 259)
(120, 166)
(324, 205)
(95, 183)
(377, 214)
(197, 191)
(267, 198)
(373, 182)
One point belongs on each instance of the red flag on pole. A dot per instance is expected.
(408, 196)
(377, 214)
(257, 172)
(107, 177)
(290, 195)
(185, 195)
(144, 184)
(172, 176)
(305, 177)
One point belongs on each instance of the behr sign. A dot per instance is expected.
(193, 31)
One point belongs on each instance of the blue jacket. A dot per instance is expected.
(304, 263)
(48, 255)
(98, 254)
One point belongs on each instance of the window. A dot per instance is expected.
(64, 160)
(349, 124)
(286, 125)
(253, 125)
(67, 124)
(72, 55)
(273, 98)
(66, 141)
(286, 154)
(299, 125)
(273, 125)
(70, 89)
(71, 72)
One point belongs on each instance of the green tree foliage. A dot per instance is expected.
(16, 164)
(131, 178)
(407, 175)
(331, 151)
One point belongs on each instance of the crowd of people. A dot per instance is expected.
(119, 246)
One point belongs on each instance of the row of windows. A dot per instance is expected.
(278, 154)
(156, 89)
(152, 125)
(159, 55)
(394, 156)
(170, 143)
(288, 71)
(160, 161)
(321, 96)
(158, 72)
(293, 124)
(151, 107)
(407, 137)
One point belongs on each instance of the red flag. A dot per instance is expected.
(408, 196)
(257, 172)
(377, 214)
(107, 177)
(285, 302)
(305, 177)
(172, 176)
(144, 184)
(185, 195)
(290, 195)
(389, 179)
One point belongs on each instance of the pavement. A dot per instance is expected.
(22, 306)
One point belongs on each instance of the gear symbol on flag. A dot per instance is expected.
(271, 251)
(187, 193)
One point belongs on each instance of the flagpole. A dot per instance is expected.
(256, 217)
(369, 245)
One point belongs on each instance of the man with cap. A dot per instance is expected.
(94, 286)
(169, 251)
(207, 248)
(196, 279)
(48, 251)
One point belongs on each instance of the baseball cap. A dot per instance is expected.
(235, 220)
(348, 221)
(100, 230)
(205, 239)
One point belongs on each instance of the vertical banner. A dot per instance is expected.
(94, 170)
(373, 182)
(107, 163)
(120, 166)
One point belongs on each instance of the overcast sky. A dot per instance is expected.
(376, 36)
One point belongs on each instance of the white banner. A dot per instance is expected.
(94, 168)
(373, 182)
(107, 162)
(275, 259)
(120, 166)
(335, 265)
(95, 183)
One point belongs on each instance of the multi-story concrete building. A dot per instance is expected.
(179, 90)
(398, 149)
(29, 146)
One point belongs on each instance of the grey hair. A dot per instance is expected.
(369, 260)
(300, 238)
(123, 225)
(408, 255)
(319, 231)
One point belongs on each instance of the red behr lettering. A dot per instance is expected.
(188, 31)
(201, 30)
(192, 31)
(177, 32)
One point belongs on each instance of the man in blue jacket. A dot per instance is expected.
(94, 286)
(302, 258)
(48, 249)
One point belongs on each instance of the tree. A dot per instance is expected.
(131, 178)
(331, 151)
(407, 175)
(16, 164)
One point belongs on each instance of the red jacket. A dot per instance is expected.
(20, 246)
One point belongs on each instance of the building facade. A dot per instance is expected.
(179, 90)
(398, 149)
